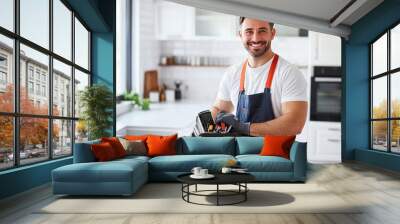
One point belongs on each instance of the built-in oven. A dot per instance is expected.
(326, 94)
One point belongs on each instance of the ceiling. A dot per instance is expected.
(326, 16)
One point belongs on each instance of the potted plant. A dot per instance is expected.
(96, 102)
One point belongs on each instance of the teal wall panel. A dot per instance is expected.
(24, 178)
(102, 59)
(376, 158)
(103, 64)
(356, 85)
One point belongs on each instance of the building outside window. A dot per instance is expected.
(3, 61)
(43, 90)
(37, 74)
(43, 77)
(3, 78)
(30, 87)
(30, 72)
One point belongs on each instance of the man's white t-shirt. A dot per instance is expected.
(288, 84)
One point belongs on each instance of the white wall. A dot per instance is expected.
(145, 46)
(121, 51)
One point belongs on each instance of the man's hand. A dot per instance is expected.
(230, 119)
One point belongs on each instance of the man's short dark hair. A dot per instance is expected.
(241, 20)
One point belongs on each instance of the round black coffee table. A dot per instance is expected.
(238, 179)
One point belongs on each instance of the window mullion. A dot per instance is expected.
(73, 82)
(50, 81)
(389, 106)
(16, 70)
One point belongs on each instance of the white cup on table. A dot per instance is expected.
(203, 172)
(196, 171)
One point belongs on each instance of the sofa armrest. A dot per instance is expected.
(83, 152)
(298, 155)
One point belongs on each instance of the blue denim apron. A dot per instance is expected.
(257, 107)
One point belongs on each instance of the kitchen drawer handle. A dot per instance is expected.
(334, 129)
(333, 140)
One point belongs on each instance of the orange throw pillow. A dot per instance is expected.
(277, 146)
(136, 137)
(116, 145)
(161, 145)
(103, 152)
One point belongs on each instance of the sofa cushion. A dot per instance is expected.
(134, 147)
(116, 145)
(277, 146)
(249, 145)
(161, 145)
(112, 171)
(206, 145)
(185, 163)
(129, 159)
(83, 152)
(103, 152)
(257, 163)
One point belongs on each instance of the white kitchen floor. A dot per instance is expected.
(162, 118)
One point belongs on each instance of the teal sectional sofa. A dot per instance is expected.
(125, 176)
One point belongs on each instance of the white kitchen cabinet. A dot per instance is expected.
(213, 24)
(325, 50)
(174, 21)
(324, 142)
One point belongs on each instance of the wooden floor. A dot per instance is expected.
(378, 188)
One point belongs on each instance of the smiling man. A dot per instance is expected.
(264, 95)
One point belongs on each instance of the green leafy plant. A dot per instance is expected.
(96, 102)
(145, 104)
(136, 99)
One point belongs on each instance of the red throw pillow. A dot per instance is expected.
(136, 137)
(116, 145)
(103, 152)
(277, 146)
(161, 145)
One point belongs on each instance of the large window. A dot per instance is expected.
(385, 92)
(44, 64)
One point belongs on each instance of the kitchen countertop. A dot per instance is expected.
(166, 117)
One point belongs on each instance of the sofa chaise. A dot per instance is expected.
(125, 176)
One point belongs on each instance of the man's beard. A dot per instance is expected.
(260, 52)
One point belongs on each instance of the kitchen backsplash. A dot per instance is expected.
(201, 82)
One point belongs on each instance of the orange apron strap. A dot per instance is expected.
(271, 72)
(243, 75)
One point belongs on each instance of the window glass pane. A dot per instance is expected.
(35, 21)
(395, 94)
(395, 136)
(62, 138)
(395, 47)
(34, 97)
(81, 131)
(62, 89)
(379, 55)
(81, 45)
(379, 97)
(6, 142)
(81, 81)
(33, 139)
(6, 74)
(7, 14)
(379, 135)
(62, 29)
